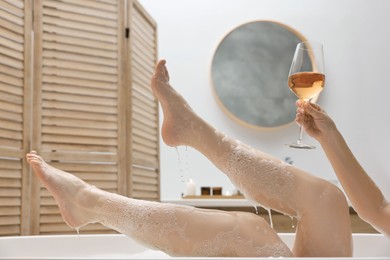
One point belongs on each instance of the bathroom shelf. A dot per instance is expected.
(213, 197)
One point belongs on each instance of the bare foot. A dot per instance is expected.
(75, 198)
(179, 119)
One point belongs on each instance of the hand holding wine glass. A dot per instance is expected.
(306, 78)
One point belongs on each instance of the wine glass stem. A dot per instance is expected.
(300, 138)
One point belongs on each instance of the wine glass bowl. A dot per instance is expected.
(306, 78)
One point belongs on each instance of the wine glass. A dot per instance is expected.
(306, 78)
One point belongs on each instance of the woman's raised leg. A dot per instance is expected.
(176, 230)
(321, 209)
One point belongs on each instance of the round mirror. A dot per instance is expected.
(249, 74)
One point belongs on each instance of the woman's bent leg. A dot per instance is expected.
(321, 209)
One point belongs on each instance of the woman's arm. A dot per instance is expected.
(363, 193)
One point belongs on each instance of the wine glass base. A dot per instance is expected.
(301, 146)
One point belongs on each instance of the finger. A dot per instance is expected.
(299, 118)
(300, 110)
(313, 109)
(315, 106)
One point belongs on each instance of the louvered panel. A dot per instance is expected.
(83, 91)
(78, 34)
(11, 8)
(51, 219)
(7, 130)
(77, 131)
(48, 146)
(79, 99)
(148, 128)
(94, 168)
(11, 80)
(143, 89)
(11, 107)
(139, 97)
(143, 126)
(143, 30)
(79, 83)
(141, 75)
(142, 57)
(11, 26)
(9, 97)
(16, 38)
(145, 159)
(78, 157)
(146, 195)
(13, 120)
(142, 134)
(106, 58)
(145, 187)
(52, 79)
(10, 17)
(8, 61)
(145, 142)
(10, 195)
(94, 5)
(11, 134)
(111, 31)
(78, 74)
(13, 47)
(142, 148)
(10, 230)
(143, 52)
(104, 1)
(10, 143)
(11, 71)
(80, 115)
(75, 123)
(17, 3)
(63, 64)
(143, 112)
(60, 139)
(145, 133)
(74, 8)
(148, 108)
(99, 50)
(10, 116)
(80, 17)
(52, 104)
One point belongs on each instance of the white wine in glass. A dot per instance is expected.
(306, 78)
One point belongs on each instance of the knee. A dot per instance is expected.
(328, 197)
(252, 225)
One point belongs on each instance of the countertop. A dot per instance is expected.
(209, 201)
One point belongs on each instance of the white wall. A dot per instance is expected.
(356, 42)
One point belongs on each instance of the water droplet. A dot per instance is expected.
(292, 222)
(270, 218)
(180, 165)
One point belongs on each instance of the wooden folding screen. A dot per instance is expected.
(15, 98)
(92, 110)
(144, 138)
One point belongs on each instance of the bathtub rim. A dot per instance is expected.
(123, 238)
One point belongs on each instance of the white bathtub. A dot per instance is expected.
(366, 246)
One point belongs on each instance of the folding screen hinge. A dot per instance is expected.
(127, 32)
